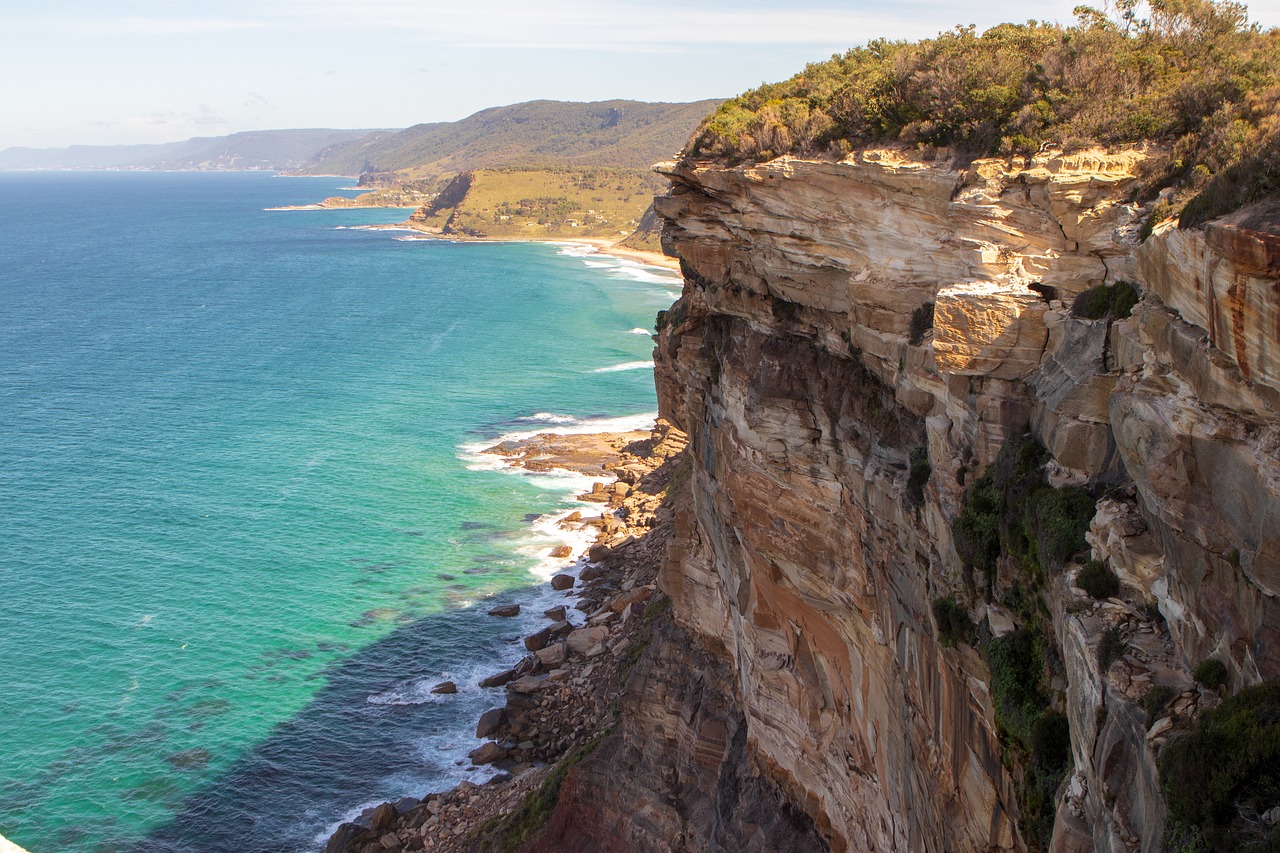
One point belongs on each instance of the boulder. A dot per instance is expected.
(487, 754)
(563, 552)
(583, 639)
(556, 614)
(490, 721)
(498, 679)
(562, 582)
(553, 655)
(528, 684)
(381, 817)
(625, 600)
(538, 640)
(445, 688)
(597, 552)
(505, 610)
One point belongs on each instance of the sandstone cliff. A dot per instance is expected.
(834, 443)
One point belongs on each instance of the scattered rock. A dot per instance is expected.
(381, 817)
(528, 684)
(499, 679)
(562, 553)
(490, 721)
(505, 610)
(487, 754)
(445, 688)
(562, 582)
(553, 655)
(538, 640)
(625, 600)
(556, 614)
(583, 639)
(597, 552)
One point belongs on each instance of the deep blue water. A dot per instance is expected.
(239, 538)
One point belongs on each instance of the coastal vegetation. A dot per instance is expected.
(1106, 301)
(1013, 532)
(1223, 775)
(1097, 580)
(1194, 78)
(541, 203)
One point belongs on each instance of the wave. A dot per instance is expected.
(577, 250)
(618, 268)
(626, 365)
(391, 227)
(639, 331)
(549, 418)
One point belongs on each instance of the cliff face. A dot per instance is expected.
(806, 568)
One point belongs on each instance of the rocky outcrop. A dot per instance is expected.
(857, 343)
(806, 564)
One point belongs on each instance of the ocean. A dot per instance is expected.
(243, 529)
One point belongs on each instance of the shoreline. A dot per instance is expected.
(560, 698)
(602, 245)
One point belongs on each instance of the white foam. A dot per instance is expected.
(618, 268)
(639, 331)
(547, 532)
(626, 365)
(379, 228)
(572, 426)
(549, 418)
(577, 250)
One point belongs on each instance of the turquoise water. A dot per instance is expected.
(237, 533)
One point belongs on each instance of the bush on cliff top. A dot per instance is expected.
(1195, 75)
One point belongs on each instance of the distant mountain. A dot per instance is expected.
(549, 134)
(256, 149)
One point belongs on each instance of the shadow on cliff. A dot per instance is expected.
(342, 751)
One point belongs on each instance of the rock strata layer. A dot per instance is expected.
(807, 564)
(855, 343)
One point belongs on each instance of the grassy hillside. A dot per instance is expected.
(541, 203)
(1195, 77)
(548, 134)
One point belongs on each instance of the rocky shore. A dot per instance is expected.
(557, 704)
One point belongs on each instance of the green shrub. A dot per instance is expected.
(1057, 520)
(1098, 580)
(1194, 75)
(1106, 301)
(976, 530)
(954, 624)
(1210, 672)
(1110, 648)
(1051, 739)
(1156, 699)
(510, 832)
(921, 322)
(918, 476)
(1017, 668)
(1226, 770)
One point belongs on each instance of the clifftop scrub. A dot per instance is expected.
(1194, 79)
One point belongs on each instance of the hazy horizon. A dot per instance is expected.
(152, 73)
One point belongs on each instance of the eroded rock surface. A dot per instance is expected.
(803, 561)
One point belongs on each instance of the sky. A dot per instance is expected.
(105, 72)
